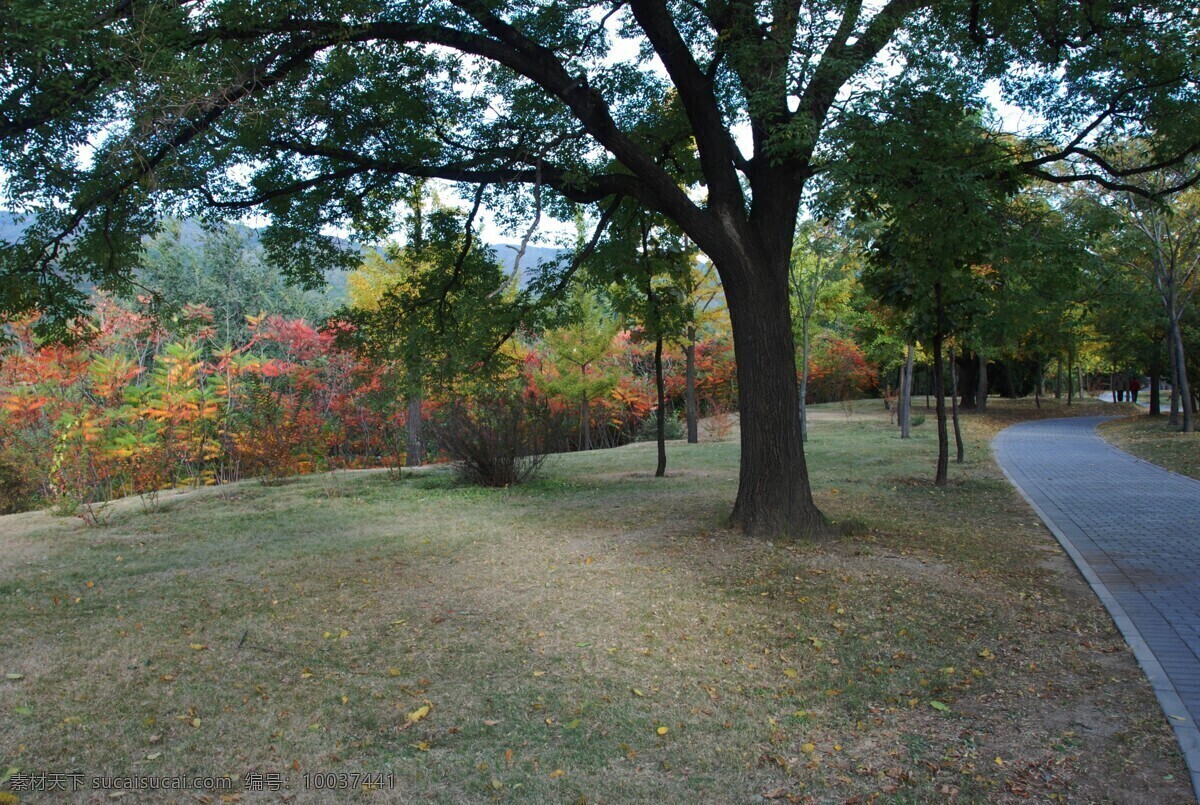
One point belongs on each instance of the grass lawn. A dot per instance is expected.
(597, 635)
(1153, 439)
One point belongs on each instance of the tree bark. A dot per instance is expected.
(774, 497)
(661, 386)
(585, 424)
(939, 392)
(1058, 378)
(692, 410)
(415, 452)
(958, 442)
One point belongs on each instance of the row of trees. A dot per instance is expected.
(323, 116)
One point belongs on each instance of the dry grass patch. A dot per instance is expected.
(1153, 439)
(595, 634)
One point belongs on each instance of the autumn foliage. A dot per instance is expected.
(135, 409)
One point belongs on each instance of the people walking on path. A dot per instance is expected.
(1135, 386)
(1131, 528)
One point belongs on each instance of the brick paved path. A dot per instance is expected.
(1133, 530)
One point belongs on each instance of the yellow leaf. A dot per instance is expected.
(418, 714)
(554, 775)
(999, 762)
(987, 654)
(637, 692)
(496, 784)
(808, 748)
(195, 722)
(154, 756)
(539, 673)
(790, 673)
(662, 730)
(345, 700)
(393, 672)
(423, 746)
(198, 647)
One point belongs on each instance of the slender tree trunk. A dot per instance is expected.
(1037, 388)
(982, 391)
(585, 424)
(1174, 361)
(1058, 377)
(774, 497)
(906, 384)
(691, 407)
(958, 442)
(939, 393)
(1071, 378)
(804, 379)
(661, 386)
(415, 453)
(1185, 392)
(1155, 394)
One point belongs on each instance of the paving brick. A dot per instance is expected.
(1134, 531)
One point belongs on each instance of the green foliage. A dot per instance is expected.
(225, 270)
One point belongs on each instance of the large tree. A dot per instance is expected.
(318, 114)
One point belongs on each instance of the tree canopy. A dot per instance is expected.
(322, 114)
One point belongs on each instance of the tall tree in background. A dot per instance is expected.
(319, 115)
(1162, 241)
(819, 258)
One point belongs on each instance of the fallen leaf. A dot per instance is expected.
(808, 748)
(508, 756)
(987, 654)
(418, 714)
(496, 784)
(195, 722)
(154, 756)
(554, 775)
(662, 730)
(198, 647)
(23, 711)
(539, 673)
(637, 692)
(14, 677)
(790, 673)
(490, 722)
(942, 706)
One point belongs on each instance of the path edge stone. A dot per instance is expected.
(1186, 732)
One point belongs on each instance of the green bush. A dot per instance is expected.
(648, 430)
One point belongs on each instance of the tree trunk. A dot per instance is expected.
(585, 424)
(660, 384)
(1184, 390)
(1058, 378)
(804, 380)
(774, 498)
(981, 391)
(415, 454)
(939, 393)
(906, 384)
(1037, 387)
(1155, 394)
(691, 408)
(958, 442)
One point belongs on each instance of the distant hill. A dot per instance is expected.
(192, 233)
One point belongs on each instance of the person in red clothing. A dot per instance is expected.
(1134, 387)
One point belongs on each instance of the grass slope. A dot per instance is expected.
(597, 634)
(1153, 439)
